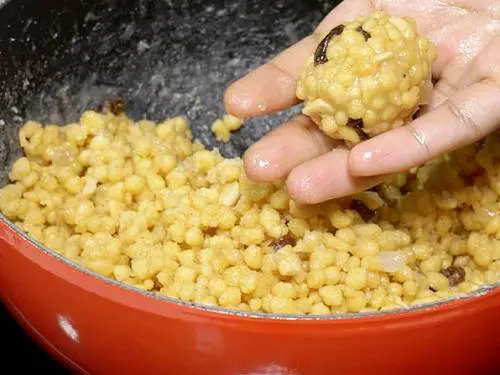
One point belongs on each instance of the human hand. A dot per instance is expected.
(462, 108)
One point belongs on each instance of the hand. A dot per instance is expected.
(465, 105)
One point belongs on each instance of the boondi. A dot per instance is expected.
(146, 205)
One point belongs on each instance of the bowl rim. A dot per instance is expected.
(216, 311)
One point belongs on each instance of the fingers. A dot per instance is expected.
(450, 123)
(477, 59)
(281, 150)
(485, 66)
(441, 92)
(463, 119)
(271, 87)
(326, 177)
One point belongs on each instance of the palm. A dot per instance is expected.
(460, 29)
(463, 107)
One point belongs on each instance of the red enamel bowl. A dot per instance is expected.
(96, 325)
(99, 326)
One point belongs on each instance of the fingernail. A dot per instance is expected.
(301, 189)
(261, 161)
(370, 155)
(306, 185)
(362, 161)
(242, 101)
(264, 162)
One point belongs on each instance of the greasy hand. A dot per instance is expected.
(465, 105)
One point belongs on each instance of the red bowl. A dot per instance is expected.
(99, 326)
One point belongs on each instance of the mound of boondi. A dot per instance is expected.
(142, 203)
(367, 76)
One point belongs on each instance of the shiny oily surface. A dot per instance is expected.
(144, 204)
(367, 76)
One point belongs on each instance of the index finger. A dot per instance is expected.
(271, 87)
(461, 120)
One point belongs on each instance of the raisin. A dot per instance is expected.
(408, 187)
(157, 284)
(454, 274)
(417, 112)
(115, 106)
(479, 144)
(469, 179)
(84, 171)
(320, 53)
(211, 231)
(432, 289)
(282, 242)
(357, 124)
(366, 34)
(304, 256)
(363, 211)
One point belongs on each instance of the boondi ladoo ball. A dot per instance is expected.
(367, 76)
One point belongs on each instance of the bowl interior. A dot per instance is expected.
(164, 57)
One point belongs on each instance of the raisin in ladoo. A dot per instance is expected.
(367, 76)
